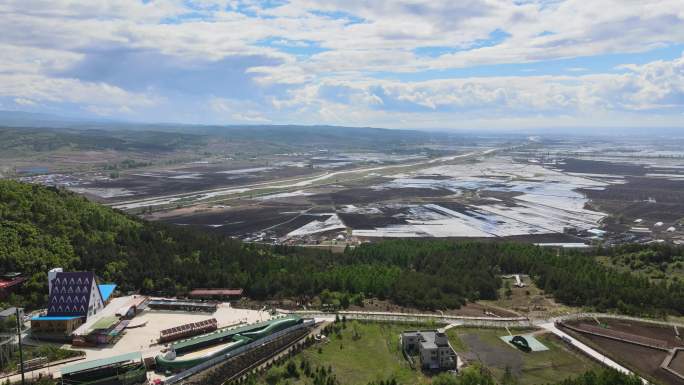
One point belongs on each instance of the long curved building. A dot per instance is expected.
(181, 354)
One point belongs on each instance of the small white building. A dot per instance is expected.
(518, 281)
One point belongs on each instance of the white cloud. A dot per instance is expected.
(360, 61)
(24, 102)
(61, 90)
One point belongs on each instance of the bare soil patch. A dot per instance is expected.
(369, 195)
(677, 363)
(601, 167)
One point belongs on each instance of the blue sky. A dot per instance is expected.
(467, 65)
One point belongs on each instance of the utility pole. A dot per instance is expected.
(21, 354)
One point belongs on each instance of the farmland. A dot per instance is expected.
(334, 192)
(645, 357)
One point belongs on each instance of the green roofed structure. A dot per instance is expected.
(105, 323)
(232, 338)
(125, 369)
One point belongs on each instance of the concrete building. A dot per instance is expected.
(433, 348)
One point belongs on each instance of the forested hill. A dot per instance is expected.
(42, 228)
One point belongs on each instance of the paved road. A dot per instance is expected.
(551, 327)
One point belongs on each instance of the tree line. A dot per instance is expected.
(44, 227)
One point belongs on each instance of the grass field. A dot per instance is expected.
(533, 368)
(376, 355)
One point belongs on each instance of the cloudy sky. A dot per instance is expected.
(466, 64)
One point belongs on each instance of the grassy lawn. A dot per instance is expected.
(532, 368)
(376, 355)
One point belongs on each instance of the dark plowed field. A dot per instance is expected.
(677, 363)
(367, 195)
(369, 221)
(652, 199)
(601, 167)
(645, 361)
(647, 330)
(239, 221)
(151, 186)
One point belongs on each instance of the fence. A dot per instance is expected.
(488, 322)
(578, 316)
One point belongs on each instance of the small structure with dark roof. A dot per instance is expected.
(218, 294)
(180, 305)
(123, 369)
(9, 282)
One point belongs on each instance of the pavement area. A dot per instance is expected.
(144, 338)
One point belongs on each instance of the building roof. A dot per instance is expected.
(105, 323)
(170, 302)
(7, 283)
(54, 318)
(71, 294)
(219, 334)
(228, 292)
(428, 340)
(94, 364)
(106, 289)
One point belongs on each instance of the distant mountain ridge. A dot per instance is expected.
(23, 131)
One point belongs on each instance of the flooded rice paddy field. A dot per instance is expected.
(504, 196)
(492, 197)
